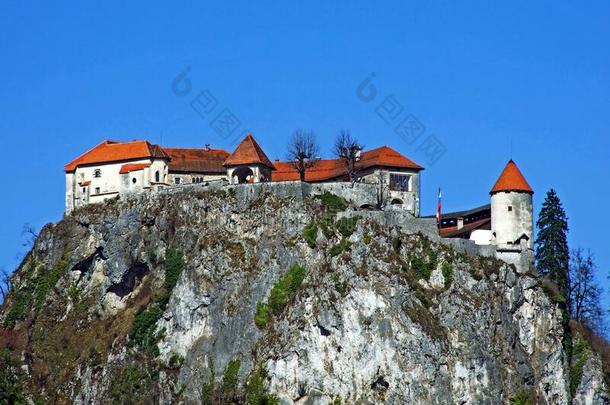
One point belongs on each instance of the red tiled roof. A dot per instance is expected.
(110, 151)
(327, 169)
(248, 152)
(386, 156)
(195, 160)
(321, 170)
(132, 167)
(511, 179)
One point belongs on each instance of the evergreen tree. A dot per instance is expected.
(552, 252)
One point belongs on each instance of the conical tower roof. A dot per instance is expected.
(248, 152)
(511, 179)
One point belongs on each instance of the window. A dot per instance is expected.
(84, 190)
(157, 177)
(133, 180)
(400, 182)
(97, 173)
(510, 208)
(97, 190)
(177, 180)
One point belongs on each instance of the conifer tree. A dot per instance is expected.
(552, 252)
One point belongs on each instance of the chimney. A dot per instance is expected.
(460, 222)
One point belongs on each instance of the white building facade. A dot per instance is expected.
(114, 168)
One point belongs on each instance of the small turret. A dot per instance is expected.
(512, 223)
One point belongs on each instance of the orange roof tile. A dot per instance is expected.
(321, 170)
(511, 179)
(132, 167)
(248, 152)
(327, 169)
(195, 160)
(386, 156)
(110, 151)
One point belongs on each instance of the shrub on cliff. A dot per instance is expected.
(281, 293)
(285, 288)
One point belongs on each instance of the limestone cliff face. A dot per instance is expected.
(277, 299)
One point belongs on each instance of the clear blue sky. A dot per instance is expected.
(479, 77)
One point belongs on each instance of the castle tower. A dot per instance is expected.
(512, 223)
(248, 163)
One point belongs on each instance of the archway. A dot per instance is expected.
(243, 175)
(396, 201)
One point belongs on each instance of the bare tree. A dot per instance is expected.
(382, 189)
(303, 151)
(584, 291)
(29, 234)
(5, 282)
(348, 149)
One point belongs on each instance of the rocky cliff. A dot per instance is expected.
(222, 296)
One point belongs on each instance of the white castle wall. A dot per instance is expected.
(511, 217)
(110, 182)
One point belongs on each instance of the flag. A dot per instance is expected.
(438, 208)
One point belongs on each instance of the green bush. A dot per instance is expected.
(262, 316)
(340, 247)
(347, 225)
(47, 280)
(256, 392)
(230, 379)
(580, 356)
(424, 266)
(285, 288)
(447, 270)
(132, 385)
(327, 225)
(310, 233)
(176, 361)
(22, 302)
(333, 202)
(174, 264)
(281, 293)
(11, 389)
(522, 397)
(207, 388)
(143, 330)
(35, 292)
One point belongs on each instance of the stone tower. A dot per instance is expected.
(512, 223)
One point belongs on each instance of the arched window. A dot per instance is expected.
(157, 177)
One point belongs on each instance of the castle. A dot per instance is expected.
(112, 168)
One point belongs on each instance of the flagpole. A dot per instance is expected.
(438, 209)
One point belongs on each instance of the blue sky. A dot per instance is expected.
(486, 81)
